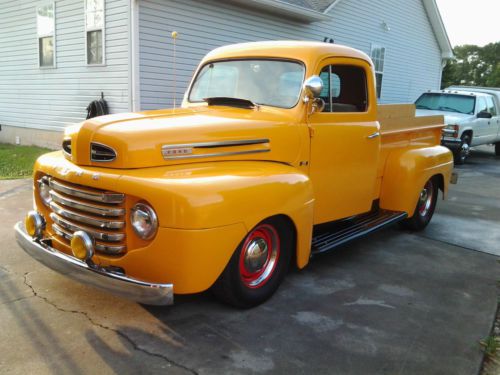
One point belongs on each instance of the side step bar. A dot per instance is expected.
(336, 234)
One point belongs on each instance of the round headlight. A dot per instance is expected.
(144, 221)
(44, 191)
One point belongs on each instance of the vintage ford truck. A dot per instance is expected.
(279, 152)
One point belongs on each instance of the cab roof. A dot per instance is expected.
(307, 52)
(456, 92)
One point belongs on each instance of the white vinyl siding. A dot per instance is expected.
(52, 99)
(414, 64)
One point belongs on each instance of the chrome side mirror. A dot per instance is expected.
(312, 87)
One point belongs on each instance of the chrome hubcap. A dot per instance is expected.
(256, 255)
(465, 150)
(259, 256)
(425, 200)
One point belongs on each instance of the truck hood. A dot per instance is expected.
(450, 118)
(186, 135)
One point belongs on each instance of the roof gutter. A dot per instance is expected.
(439, 29)
(290, 10)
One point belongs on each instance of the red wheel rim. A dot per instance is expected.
(425, 200)
(259, 256)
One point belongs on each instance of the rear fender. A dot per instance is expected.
(407, 171)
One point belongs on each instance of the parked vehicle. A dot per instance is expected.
(471, 117)
(279, 152)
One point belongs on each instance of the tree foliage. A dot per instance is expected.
(473, 66)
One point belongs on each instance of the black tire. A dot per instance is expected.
(239, 287)
(497, 149)
(426, 205)
(460, 155)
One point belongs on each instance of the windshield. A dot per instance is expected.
(447, 102)
(266, 82)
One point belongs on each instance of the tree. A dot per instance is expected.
(473, 66)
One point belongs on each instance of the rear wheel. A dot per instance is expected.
(258, 265)
(462, 153)
(497, 149)
(426, 205)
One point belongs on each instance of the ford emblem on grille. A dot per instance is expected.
(100, 152)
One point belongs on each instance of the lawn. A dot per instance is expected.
(17, 161)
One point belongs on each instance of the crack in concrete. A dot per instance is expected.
(14, 190)
(127, 338)
(15, 300)
(454, 244)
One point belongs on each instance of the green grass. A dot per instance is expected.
(17, 161)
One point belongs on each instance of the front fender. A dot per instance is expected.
(204, 212)
(407, 171)
(200, 196)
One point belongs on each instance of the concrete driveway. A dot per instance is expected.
(392, 303)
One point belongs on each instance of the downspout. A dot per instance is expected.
(134, 79)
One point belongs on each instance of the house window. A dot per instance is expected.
(344, 88)
(94, 31)
(45, 21)
(378, 57)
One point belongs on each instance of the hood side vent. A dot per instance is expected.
(101, 153)
(66, 146)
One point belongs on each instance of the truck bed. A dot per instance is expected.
(400, 129)
(400, 118)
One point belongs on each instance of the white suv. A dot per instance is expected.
(471, 117)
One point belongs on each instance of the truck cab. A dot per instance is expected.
(279, 152)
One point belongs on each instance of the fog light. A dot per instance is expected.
(34, 224)
(82, 246)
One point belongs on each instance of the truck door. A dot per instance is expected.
(494, 123)
(345, 140)
(481, 126)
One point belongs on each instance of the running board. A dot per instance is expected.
(329, 236)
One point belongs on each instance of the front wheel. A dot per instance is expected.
(425, 207)
(463, 152)
(497, 149)
(258, 265)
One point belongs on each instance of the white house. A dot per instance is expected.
(58, 55)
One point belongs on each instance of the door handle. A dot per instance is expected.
(374, 135)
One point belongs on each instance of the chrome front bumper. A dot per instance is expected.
(98, 277)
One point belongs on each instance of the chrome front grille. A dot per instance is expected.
(99, 213)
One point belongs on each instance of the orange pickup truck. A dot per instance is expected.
(279, 152)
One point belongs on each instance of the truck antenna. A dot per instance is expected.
(174, 37)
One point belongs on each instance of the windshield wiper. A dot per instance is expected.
(419, 106)
(232, 102)
(449, 109)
